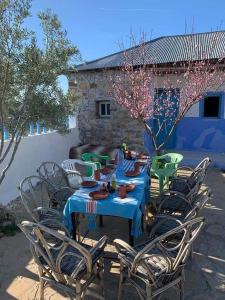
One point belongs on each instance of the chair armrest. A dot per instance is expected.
(71, 172)
(170, 165)
(91, 164)
(121, 245)
(100, 244)
(185, 168)
(44, 210)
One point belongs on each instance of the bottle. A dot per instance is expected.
(124, 149)
(119, 159)
(113, 181)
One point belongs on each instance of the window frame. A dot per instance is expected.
(220, 95)
(104, 102)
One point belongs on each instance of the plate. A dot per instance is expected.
(106, 171)
(140, 163)
(132, 173)
(89, 183)
(130, 187)
(142, 156)
(99, 195)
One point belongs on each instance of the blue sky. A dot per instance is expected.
(96, 26)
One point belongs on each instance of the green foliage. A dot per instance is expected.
(29, 90)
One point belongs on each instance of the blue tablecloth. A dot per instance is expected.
(132, 207)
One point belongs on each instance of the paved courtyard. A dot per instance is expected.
(205, 274)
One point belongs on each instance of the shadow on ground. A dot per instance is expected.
(205, 273)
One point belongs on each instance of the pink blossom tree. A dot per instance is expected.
(136, 87)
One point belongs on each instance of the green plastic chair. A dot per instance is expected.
(164, 167)
(98, 159)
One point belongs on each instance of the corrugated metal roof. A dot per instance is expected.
(169, 49)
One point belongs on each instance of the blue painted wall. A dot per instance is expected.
(200, 133)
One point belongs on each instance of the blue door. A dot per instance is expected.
(164, 121)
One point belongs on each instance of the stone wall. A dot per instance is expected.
(92, 87)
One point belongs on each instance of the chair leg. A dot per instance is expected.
(78, 291)
(42, 289)
(100, 277)
(181, 284)
(120, 291)
(191, 252)
(42, 282)
(148, 292)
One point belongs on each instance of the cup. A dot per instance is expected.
(97, 175)
(136, 167)
(122, 191)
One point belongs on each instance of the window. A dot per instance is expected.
(104, 109)
(211, 107)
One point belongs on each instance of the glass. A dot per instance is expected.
(97, 175)
(123, 191)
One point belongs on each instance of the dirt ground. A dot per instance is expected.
(205, 273)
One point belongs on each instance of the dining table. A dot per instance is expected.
(131, 207)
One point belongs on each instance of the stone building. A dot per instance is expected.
(102, 122)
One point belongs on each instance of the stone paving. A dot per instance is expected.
(205, 273)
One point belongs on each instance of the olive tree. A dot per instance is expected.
(29, 71)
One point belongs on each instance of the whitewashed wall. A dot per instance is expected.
(32, 151)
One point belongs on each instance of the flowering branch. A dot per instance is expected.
(150, 92)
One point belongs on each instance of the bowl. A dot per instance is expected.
(106, 171)
(98, 195)
(89, 183)
(130, 187)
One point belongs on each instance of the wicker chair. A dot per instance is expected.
(190, 185)
(183, 211)
(66, 265)
(36, 199)
(178, 205)
(159, 265)
(58, 179)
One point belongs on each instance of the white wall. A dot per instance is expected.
(32, 151)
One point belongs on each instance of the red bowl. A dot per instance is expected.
(98, 195)
(89, 183)
(142, 156)
(130, 187)
(106, 171)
